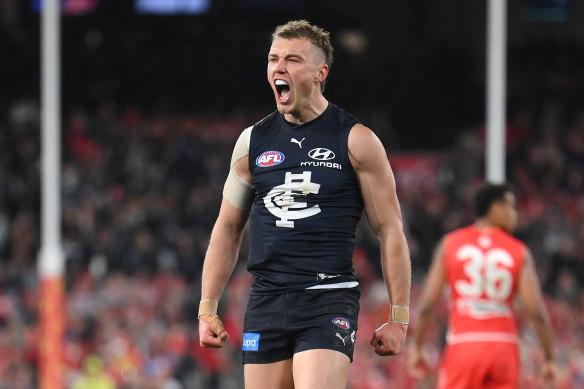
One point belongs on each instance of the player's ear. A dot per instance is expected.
(322, 72)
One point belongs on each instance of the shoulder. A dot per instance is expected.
(511, 241)
(245, 135)
(459, 237)
(345, 117)
(460, 232)
(268, 119)
(241, 147)
(263, 129)
(364, 145)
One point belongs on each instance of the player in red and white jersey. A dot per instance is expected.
(485, 269)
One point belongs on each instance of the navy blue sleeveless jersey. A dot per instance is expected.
(307, 203)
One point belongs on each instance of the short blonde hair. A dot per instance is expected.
(298, 29)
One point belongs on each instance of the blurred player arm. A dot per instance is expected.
(433, 287)
(378, 188)
(532, 303)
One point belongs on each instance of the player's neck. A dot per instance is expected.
(485, 224)
(313, 109)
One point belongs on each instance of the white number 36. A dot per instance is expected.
(488, 272)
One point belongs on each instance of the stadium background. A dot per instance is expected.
(152, 105)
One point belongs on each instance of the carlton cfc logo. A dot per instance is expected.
(341, 322)
(270, 158)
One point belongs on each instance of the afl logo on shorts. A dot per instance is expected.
(269, 158)
(342, 323)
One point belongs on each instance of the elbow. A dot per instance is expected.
(391, 230)
(229, 230)
(537, 317)
(236, 233)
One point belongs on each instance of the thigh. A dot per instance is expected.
(320, 369)
(276, 375)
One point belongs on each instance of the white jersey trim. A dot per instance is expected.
(482, 337)
(338, 285)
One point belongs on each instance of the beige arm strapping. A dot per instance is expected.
(238, 191)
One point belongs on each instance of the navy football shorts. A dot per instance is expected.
(278, 326)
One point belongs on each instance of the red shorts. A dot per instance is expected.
(480, 365)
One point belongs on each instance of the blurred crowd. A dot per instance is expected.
(140, 194)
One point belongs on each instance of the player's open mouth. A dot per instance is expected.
(282, 90)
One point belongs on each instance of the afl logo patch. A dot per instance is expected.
(342, 323)
(321, 154)
(269, 158)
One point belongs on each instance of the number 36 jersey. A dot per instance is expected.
(482, 269)
(307, 203)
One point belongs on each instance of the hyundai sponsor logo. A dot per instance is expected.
(270, 158)
(321, 154)
(332, 165)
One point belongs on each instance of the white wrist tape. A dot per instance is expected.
(208, 307)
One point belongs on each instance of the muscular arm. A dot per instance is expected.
(223, 250)
(377, 185)
(222, 256)
(225, 241)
